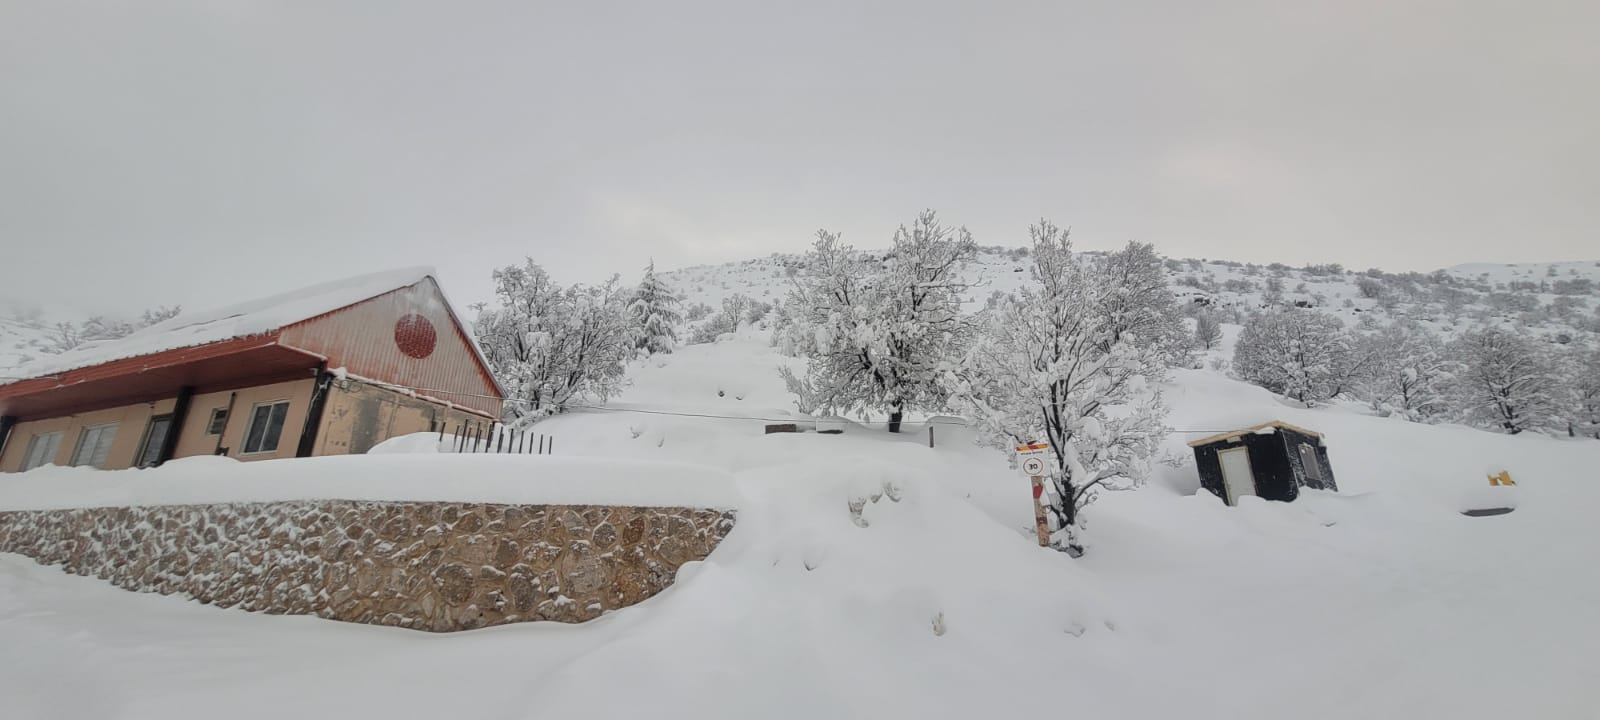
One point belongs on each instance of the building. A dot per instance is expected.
(1271, 460)
(327, 370)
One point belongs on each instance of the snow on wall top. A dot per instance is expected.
(490, 478)
(252, 317)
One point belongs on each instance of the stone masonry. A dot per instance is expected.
(437, 566)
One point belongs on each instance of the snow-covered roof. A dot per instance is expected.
(1268, 427)
(254, 317)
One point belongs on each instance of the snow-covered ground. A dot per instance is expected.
(930, 600)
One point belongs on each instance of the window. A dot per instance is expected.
(155, 438)
(219, 420)
(266, 425)
(42, 450)
(94, 444)
(1309, 464)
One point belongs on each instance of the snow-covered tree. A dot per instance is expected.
(1053, 365)
(158, 314)
(655, 312)
(1207, 330)
(551, 346)
(1138, 302)
(696, 312)
(737, 309)
(1507, 380)
(1272, 292)
(1581, 380)
(1298, 353)
(61, 337)
(1409, 371)
(807, 399)
(877, 334)
(64, 336)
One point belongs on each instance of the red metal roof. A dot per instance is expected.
(358, 336)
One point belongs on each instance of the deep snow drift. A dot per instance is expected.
(872, 576)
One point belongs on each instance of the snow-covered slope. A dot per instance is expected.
(23, 327)
(872, 576)
(1551, 298)
(16, 345)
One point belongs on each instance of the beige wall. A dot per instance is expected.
(195, 441)
(356, 417)
(359, 415)
(131, 420)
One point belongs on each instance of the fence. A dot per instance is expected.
(494, 438)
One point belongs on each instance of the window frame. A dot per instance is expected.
(27, 455)
(218, 422)
(141, 455)
(277, 441)
(83, 437)
(1310, 465)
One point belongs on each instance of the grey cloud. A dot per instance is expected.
(145, 146)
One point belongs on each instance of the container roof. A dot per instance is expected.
(1253, 429)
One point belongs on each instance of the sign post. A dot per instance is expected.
(1033, 464)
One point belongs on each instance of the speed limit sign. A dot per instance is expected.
(1033, 466)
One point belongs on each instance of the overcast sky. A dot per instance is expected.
(202, 152)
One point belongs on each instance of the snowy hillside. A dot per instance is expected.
(1551, 298)
(30, 332)
(872, 576)
(1554, 299)
(21, 331)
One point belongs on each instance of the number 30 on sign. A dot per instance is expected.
(1032, 455)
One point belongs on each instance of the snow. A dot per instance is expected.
(869, 575)
(244, 319)
(384, 475)
(1231, 286)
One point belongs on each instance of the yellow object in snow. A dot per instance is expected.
(1504, 478)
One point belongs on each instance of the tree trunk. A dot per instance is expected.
(1068, 517)
(895, 417)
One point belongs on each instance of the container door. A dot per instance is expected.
(1236, 474)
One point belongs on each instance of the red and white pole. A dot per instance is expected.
(1040, 522)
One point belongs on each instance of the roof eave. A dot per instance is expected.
(1275, 424)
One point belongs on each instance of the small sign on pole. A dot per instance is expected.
(1033, 448)
(1033, 464)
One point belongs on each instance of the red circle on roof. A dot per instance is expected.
(415, 336)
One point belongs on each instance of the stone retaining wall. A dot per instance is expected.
(426, 565)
